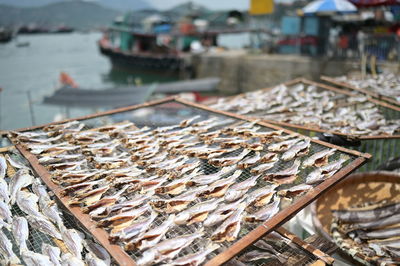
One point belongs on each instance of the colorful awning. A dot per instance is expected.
(371, 3)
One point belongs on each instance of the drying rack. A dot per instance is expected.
(184, 110)
(370, 93)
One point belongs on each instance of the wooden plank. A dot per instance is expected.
(265, 124)
(117, 252)
(284, 215)
(306, 246)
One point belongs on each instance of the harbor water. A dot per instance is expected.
(29, 73)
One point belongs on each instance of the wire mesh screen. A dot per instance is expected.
(199, 134)
(37, 237)
(274, 249)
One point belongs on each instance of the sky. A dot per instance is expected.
(211, 4)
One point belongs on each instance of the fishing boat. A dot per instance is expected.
(155, 44)
(5, 35)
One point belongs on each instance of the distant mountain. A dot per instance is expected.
(123, 5)
(77, 14)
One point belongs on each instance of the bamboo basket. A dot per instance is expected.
(355, 190)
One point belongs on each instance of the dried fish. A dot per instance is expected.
(178, 203)
(195, 258)
(101, 205)
(73, 240)
(255, 255)
(357, 216)
(3, 167)
(125, 218)
(227, 161)
(262, 168)
(66, 165)
(151, 237)
(250, 161)
(237, 190)
(50, 210)
(44, 225)
(5, 212)
(98, 251)
(283, 146)
(378, 234)
(6, 250)
(53, 253)
(27, 202)
(167, 249)
(21, 179)
(45, 160)
(175, 187)
(261, 196)
(265, 213)
(294, 191)
(319, 159)
(197, 213)
(285, 176)
(89, 197)
(20, 232)
(387, 221)
(70, 260)
(36, 259)
(326, 171)
(14, 163)
(221, 213)
(133, 230)
(210, 178)
(219, 187)
(297, 150)
(92, 260)
(4, 191)
(229, 229)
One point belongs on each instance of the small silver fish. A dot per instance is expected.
(197, 213)
(324, 172)
(5, 212)
(14, 163)
(27, 202)
(52, 252)
(98, 251)
(36, 259)
(73, 241)
(167, 249)
(4, 192)
(221, 213)
(265, 213)
(319, 159)
(297, 150)
(249, 161)
(44, 225)
(133, 229)
(237, 190)
(262, 168)
(285, 176)
(6, 249)
(21, 179)
(230, 228)
(195, 258)
(294, 191)
(92, 260)
(261, 196)
(3, 167)
(219, 187)
(283, 146)
(20, 232)
(210, 178)
(67, 259)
